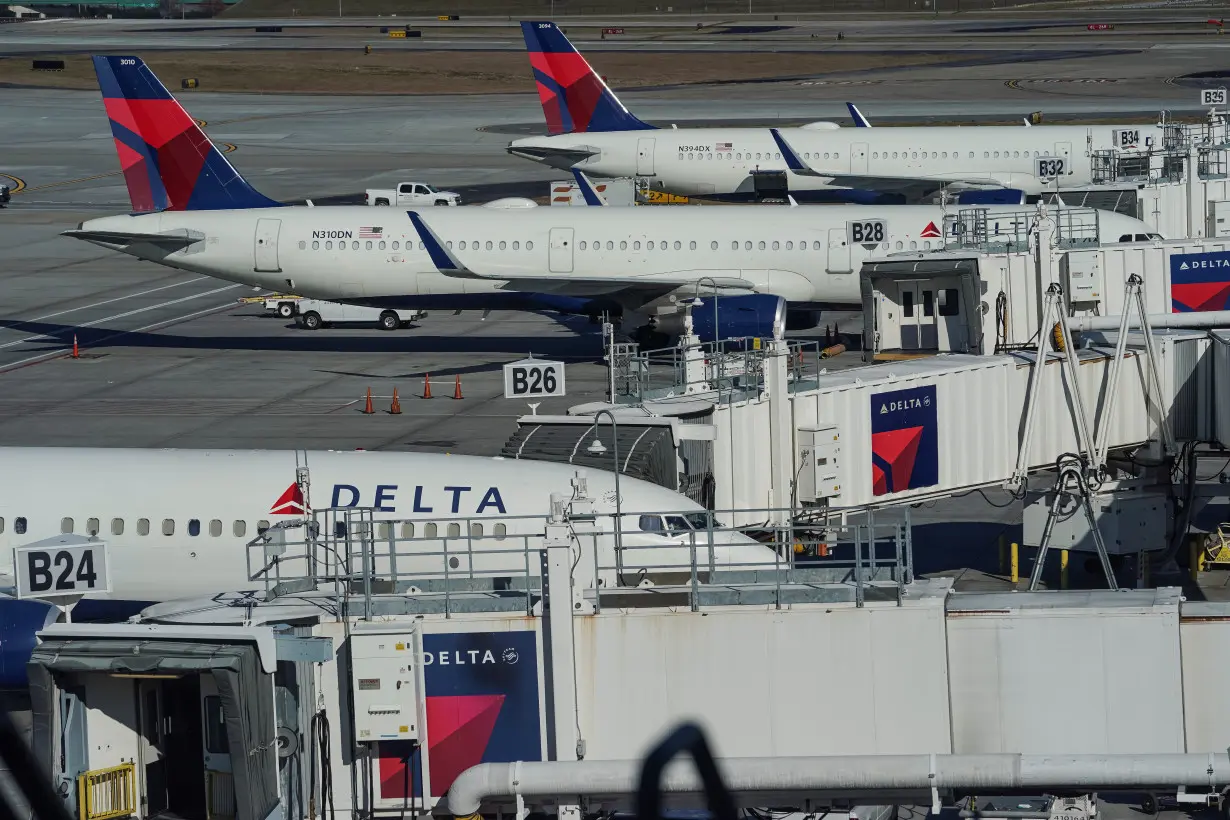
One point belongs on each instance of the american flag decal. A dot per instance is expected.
(371, 233)
(725, 146)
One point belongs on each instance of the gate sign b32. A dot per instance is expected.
(904, 440)
(1200, 282)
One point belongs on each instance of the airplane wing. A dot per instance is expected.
(575, 284)
(920, 185)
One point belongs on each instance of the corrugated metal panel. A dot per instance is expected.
(1220, 342)
(807, 681)
(1083, 679)
(1206, 666)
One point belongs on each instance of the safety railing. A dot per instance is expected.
(497, 560)
(980, 229)
(730, 368)
(103, 794)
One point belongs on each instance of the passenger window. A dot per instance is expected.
(610, 246)
(168, 526)
(734, 246)
(690, 156)
(328, 246)
(713, 245)
(354, 246)
(194, 527)
(476, 530)
(760, 245)
(215, 528)
(91, 526)
(789, 246)
(691, 246)
(407, 530)
(899, 246)
(429, 531)
(19, 525)
(651, 523)
(239, 528)
(142, 526)
(381, 246)
(449, 244)
(488, 244)
(500, 532)
(582, 245)
(302, 245)
(948, 302)
(776, 245)
(678, 245)
(397, 245)
(928, 303)
(503, 245)
(66, 525)
(913, 245)
(315, 245)
(836, 155)
(529, 246)
(649, 246)
(747, 246)
(986, 154)
(623, 246)
(516, 246)
(636, 246)
(462, 245)
(815, 246)
(369, 245)
(907, 304)
(383, 528)
(454, 530)
(261, 526)
(1, 523)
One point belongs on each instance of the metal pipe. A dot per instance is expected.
(1209, 319)
(854, 774)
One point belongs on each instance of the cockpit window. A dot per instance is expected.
(1127, 237)
(677, 524)
(1156, 236)
(651, 523)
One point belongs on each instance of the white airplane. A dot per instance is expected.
(179, 523)
(590, 129)
(192, 211)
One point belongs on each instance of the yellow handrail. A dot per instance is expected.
(103, 794)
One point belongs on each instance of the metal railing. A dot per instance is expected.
(979, 229)
(731, 368)
(103, 794)
(496, 562)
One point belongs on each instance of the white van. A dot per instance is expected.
(314, 314)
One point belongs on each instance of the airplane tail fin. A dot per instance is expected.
(574, 98)
(168, 162)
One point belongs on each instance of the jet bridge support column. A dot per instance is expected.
(781, 432)
(560, 602)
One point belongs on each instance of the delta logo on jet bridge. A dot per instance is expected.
(904, 440)
(1200, 282)
(482, 707)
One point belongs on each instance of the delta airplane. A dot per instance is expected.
(194, 212)
(178, 524)
(590, 129)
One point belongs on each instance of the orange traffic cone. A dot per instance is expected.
(427, 385)
(76, 353)
(457, 388)
(367, 408)
(395, 407)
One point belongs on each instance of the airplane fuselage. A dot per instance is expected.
(374, 256)
(721, 161)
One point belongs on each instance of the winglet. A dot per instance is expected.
(441, 257)
(793, 161)
(592, 197)
(574, 97)
(859, 120)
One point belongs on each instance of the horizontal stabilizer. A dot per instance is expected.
(119, 239)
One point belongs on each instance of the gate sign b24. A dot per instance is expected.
(1200, 282)
(533, 378)
(49, 569)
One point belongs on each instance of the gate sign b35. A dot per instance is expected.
(48, 569)
(533, 378)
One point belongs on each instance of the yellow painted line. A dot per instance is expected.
(1015, 84)
(228, 147)
(17, 181)
(202, 123)
(62, 183)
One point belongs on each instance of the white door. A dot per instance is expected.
(917, 316)
(839, 252)
(1064, 149)
(644, 157)
(560, 258)
(858, 158)
(267, 245)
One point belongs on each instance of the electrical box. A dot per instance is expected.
(384, 680)
(1084, 277)
(1130, 521)
(819, 463)
(1219, 218)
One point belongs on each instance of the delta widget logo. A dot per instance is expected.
(904, 440)
(289, 502)
(1200, 282)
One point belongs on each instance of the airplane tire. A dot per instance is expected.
(389, 320)
(311, 320)
(286, 310)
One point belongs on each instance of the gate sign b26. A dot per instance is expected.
(1200, 282)
(533, 378)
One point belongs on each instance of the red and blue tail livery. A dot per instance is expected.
(168, 162)
(574, 98)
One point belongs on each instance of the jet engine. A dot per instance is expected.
(754, 314)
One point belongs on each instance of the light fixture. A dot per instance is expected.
(697, 302)
(596, 447)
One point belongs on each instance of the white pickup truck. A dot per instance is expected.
(412, 193)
